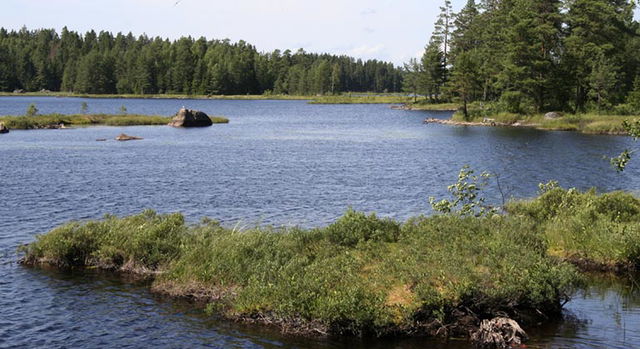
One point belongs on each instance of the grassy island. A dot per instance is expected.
(56, 120)
(364, 275)
(361, 275)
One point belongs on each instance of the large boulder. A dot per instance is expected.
(191, 118)
(3, 128)
(552, 115)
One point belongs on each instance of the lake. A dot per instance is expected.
(275, 163)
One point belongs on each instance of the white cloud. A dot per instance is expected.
(366, 50)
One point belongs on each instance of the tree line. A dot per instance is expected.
(526, 56)
(103, 63)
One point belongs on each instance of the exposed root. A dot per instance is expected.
(589, 265)
(498, 333)
(292, 325)
(193, 290)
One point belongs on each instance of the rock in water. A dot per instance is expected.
(124, 137)
(552, 115)
(498, 333)
(191, 118)
(3, 128)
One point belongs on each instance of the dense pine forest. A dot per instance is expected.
(526, 56)
(103, 63)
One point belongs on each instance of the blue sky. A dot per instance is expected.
(382, 29)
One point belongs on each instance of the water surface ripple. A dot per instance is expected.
(277, 162)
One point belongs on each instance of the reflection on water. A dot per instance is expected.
(606, 314)
(277, 162)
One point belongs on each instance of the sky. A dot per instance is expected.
(370, 29)
(388, 30)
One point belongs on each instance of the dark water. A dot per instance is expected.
(277, 162)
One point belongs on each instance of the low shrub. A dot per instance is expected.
(603, 229)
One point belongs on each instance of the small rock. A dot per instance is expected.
(552, 115)
(191, 118)
(124, 137)
(3, 128)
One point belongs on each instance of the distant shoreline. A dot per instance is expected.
(345, 98)
(154, 96)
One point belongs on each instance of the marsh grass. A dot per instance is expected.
(600, 231)
(361, 99)
(44, 121)
(584, 123)
(360, 275)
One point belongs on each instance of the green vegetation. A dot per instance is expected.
(590, 123)
(219, 120)
(32, 110)
(595, 231)
(104, 63)
(359, 275)
(54, 120)
(361, 99)
(533, 56)
(422, 105)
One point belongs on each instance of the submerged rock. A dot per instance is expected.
(499, 333)
(3, 128)
(125, 137)
(191, 118)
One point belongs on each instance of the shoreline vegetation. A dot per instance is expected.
(344, 98)
(583, 123)
(367, 276)
(58, 121)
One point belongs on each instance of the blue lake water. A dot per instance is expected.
(276, 162)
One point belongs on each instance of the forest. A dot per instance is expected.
(103, 63)
(532, 56)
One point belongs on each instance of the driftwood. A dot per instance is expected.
(498, 333)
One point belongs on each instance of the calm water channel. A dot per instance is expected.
(277, 162)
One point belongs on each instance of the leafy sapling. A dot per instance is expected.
(466, 193)
(621, 161)
(32, 110)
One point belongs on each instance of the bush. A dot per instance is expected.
(32, 110)
(599, 228)
(147, 240)
(516, 102)
(356, 227)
